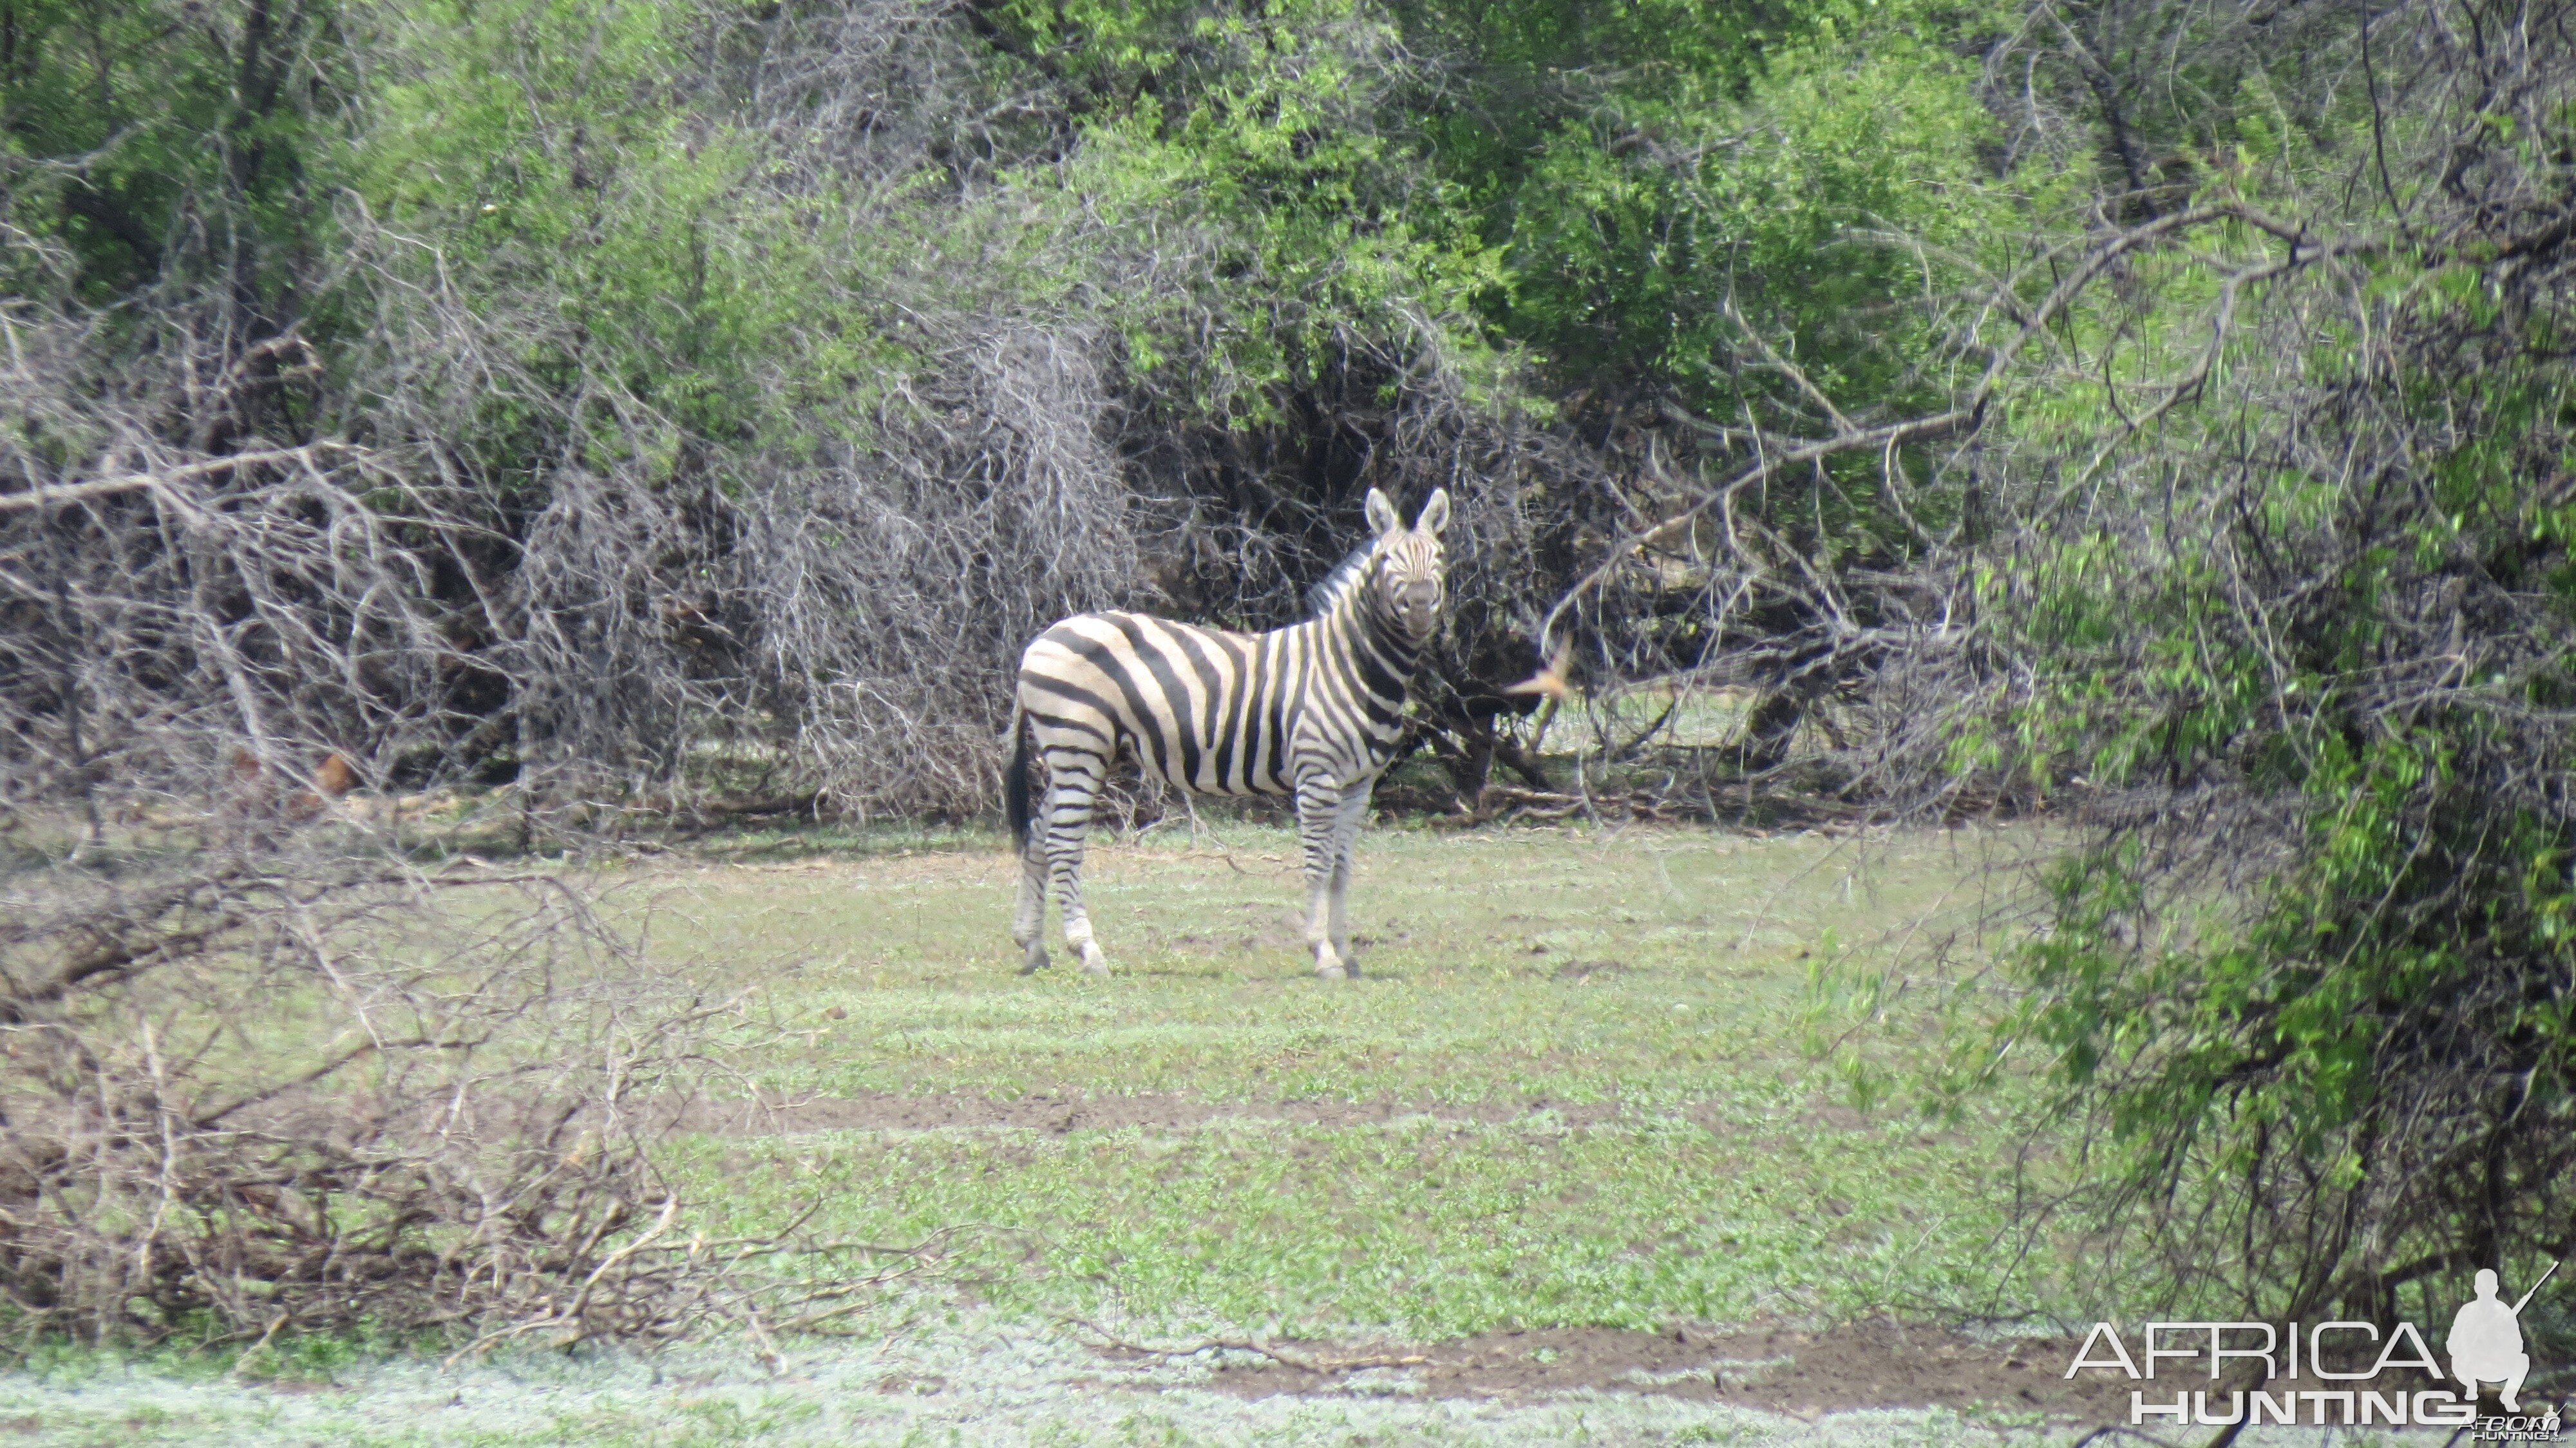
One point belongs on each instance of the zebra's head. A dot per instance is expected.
(1406, 576)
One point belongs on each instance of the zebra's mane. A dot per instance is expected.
(1329, 590)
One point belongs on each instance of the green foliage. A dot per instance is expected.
(1710, 218)
(1259, 141)
(1252, 198)
(1637, 226)
(139, 135)
(551, 160)
(2326, 989)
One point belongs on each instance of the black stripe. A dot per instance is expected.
(1261, 684)
(1080, 726)
(1175, 694)
(1140, 719)
(1241, 683)
(1381, 680)
(1287, 695)
(1074, 692)
(1211, 732)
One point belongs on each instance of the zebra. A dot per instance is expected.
(1313, 710)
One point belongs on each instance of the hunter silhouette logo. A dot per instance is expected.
(2365, 1375)
(2486, 1340)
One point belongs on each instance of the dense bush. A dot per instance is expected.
(2287, 610)
(760, 361)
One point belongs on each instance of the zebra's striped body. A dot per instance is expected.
(1312, 710)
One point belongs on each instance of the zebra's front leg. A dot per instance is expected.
(1346, 833)
(1319, 816)
(1068, 820)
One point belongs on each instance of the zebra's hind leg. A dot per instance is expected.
(1028, 913)
(1319, 811)
(1075, 783)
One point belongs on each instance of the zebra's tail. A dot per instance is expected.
(1015, 779)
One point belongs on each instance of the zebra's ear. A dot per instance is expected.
(1381, 514)
(1435, 514)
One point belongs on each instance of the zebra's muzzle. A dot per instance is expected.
(1419, 612)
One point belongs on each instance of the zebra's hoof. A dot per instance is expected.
(1036, 961)
(1094, 962)
(1329, 969)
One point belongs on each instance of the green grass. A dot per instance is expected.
(1654, 983)
(1592, 1067)
(1654, 967)
(1426, 1230)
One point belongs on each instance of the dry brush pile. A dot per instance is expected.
(264, 1065)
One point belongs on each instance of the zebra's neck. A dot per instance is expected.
(1380, 654)
(1390, 639)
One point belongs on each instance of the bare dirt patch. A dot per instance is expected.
(1861, 1365)
(1061, 1112)
(1064, 1112)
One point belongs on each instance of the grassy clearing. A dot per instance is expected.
(1577, 1088)
(1650, 967)
(1626, 1014)
(1424, 1230)
(1653, 973)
